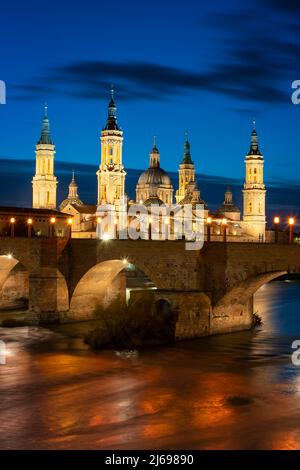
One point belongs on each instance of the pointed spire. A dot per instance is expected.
(45, 134)
(187, 150)
(111, 123)
(228, 196)
(73, 187)
(154, 149)
(154, 155)
(254, 150)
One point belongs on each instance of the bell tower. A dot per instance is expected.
(111, 173)
(254, 192)
(186, 171)
(44, 183)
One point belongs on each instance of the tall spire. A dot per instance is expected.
(254, 150)
(154, 155)
(73, 188)
(111, 124)
(228, 196)
(45, 135)
(187, 151)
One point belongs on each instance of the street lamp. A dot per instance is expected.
(70, 221)
(52, 222)
(208, 222)
(149, 227)
(224, 225)
(106, 237)
(12, 226)
(276, 226)
(291, 234)
(29, 223)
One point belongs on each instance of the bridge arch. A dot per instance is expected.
(234, 310)
(244, 290)
(103, 283)
(14, 283)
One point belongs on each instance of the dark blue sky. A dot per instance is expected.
(208, 67)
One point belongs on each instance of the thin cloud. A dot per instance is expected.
(257, 52)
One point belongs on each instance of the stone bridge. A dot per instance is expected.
(210, 291)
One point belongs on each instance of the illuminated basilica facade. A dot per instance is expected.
(154, 186)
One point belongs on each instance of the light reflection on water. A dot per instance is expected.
(237, 391)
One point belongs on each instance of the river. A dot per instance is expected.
(238, 391)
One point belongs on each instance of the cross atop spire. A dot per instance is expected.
(254, 150)
(73, 187)
(45, 134)
(154, 155)
(154, 149)
(111, 123)
(187, 150)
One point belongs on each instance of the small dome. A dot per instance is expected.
(153, 200)
(227, 208)
(155, 176)
(67, 201)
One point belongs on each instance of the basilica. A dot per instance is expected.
(154, 186)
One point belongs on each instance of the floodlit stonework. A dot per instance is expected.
(154, 187)
(44, 183)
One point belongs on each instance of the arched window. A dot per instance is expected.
(250, 207)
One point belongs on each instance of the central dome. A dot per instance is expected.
(155, 176)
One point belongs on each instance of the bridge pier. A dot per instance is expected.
(227, 318)
(48, 295)
(48, 291)
(192, 311)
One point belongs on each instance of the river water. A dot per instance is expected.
(238, 391)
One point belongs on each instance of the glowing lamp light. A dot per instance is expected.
(9, 256)
(141, 202)
(53, 220)
(29, 221)
(224, 221)
(276, 220)
(167, 221)
(70, 221)
(106, 237)
(209, 220)
(291, 221)
(99, 220)
(125, 261)
(12, 220)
